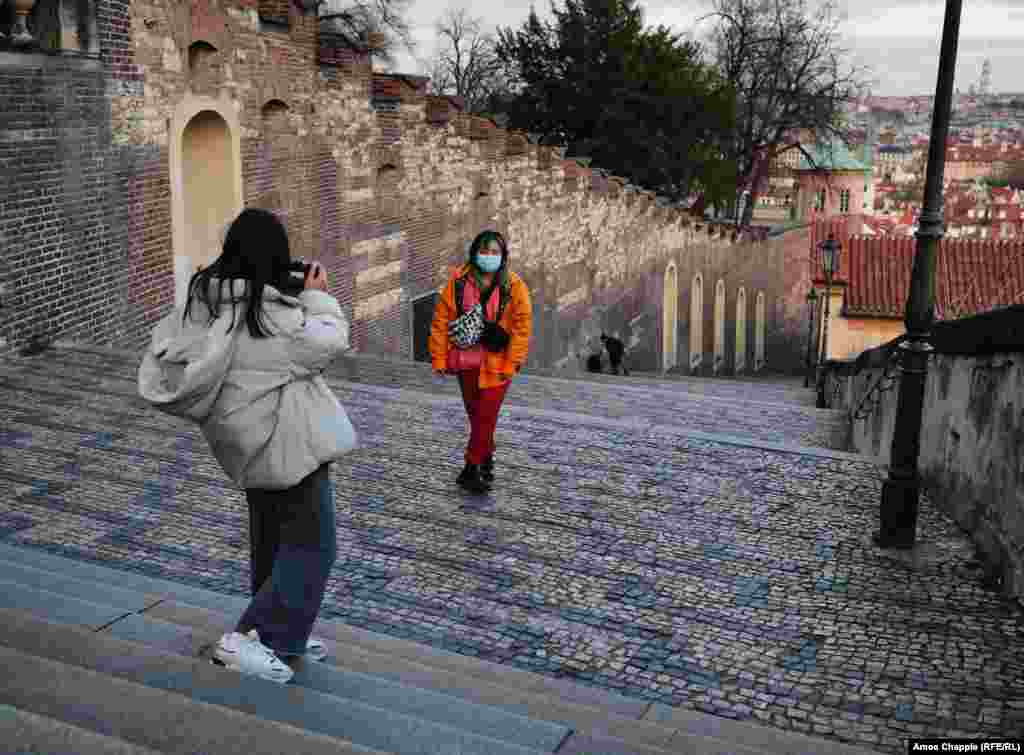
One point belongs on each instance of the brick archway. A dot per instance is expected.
(206, 179)
(759, 331)
(741, 331)
(719, 363)
(206, 184)
(696, 322)
(670, 317)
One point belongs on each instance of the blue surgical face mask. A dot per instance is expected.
(488, 263)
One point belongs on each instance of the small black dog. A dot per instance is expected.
(615, 349)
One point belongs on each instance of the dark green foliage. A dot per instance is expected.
(639, 102)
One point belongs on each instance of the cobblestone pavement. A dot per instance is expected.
(779, 412)
(630, 554)
(761, 387)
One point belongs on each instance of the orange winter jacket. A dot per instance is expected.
(499, 366)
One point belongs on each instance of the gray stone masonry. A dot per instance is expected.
(701, 544)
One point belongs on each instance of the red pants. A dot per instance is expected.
(482, 407)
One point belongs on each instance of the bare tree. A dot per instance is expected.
(378, 24)
(465, 63)
(786, 69)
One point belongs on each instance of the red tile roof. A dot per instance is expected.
(881, 226)
(984, 154)
(971, 276)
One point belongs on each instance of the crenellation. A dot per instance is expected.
(314, 127)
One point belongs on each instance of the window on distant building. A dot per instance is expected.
(819, 200)
(844, 200)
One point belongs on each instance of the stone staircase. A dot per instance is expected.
(773, 409)
(98, 660)
(106, 618)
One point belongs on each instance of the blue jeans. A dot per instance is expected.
(293, 547)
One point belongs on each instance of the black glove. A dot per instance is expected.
(494, 337)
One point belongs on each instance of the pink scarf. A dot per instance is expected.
(472, 358)
(471, 297)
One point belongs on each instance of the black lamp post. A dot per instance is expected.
(812, 300)
(901, 491)
(829, 265)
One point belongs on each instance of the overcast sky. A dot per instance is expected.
(899, 39)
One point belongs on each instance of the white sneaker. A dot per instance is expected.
(246, 654)
(316, 650)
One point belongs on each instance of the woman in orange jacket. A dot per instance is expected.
(486, 368)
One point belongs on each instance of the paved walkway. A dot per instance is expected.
(627, 544)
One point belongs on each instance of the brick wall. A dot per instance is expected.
(60, 248)
(276, 11)
(380, 182)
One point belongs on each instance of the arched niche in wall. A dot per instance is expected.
(670, 317)
(387, 192)
(206, 183)
(279, 184)
(274, 117)
(203, 65)
(719, 326)
(484, 213)
(697, 322)
(741, 330)
(759, 332)
(516, 145)
(206, 177)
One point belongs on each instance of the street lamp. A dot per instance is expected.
(812, 300)
(901, 490)
(829, 265)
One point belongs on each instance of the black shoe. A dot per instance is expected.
(471, 480)
(487, 470)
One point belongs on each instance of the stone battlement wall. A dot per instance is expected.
(972, 434)
(380, 182)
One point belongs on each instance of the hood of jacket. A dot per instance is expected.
(184, 367)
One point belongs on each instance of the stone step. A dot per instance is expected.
(54, 596)
(590, 711)
(134, 415)
(98, 369)
(185, 629)
(330, 678)
(119, 708)
(602, 722)
(181, 619)
(782, 423)
(380, 368)
(305, 709)
(28, 733)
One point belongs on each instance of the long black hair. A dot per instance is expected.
(483, 239)
(255, 250)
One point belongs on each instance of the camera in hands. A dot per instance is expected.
(295, 277)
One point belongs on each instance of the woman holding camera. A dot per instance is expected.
(481, 332)
(250, 375)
